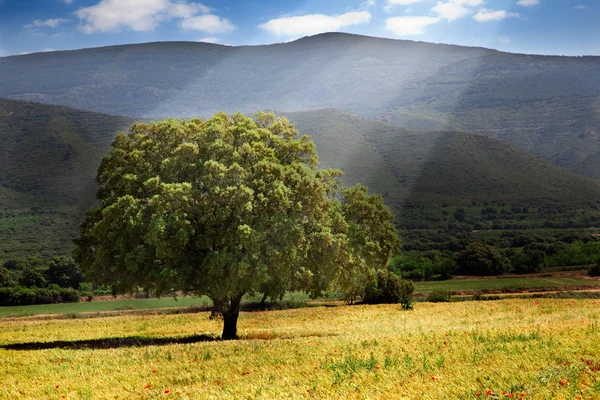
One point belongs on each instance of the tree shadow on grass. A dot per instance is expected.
(110, 343)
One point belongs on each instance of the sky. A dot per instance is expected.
(561, 27)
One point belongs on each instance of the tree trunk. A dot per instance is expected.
(263, 300)
(230, 318)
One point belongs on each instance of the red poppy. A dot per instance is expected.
(377, 367)
(167, 390)
(433, 378)
(147, 387)
(57, 386)
(477, 394)
(153, 371)
(489, 392)
(511, 395)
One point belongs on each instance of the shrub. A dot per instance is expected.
(389, 288)
(439, 296)
(594, 270)
(22, 296)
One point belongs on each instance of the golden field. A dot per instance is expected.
(519, 348)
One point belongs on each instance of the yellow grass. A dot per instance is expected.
(437, 351)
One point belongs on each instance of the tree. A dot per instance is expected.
(32, 277)
(6, 278)
(64, 272)
(224, 207)
(481, 259)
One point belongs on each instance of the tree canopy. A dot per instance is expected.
(225, 207)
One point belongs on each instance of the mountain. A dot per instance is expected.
(50, 155)
(545, 104)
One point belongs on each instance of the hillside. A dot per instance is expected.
(439, 167)
(48, 158)
(50, 155)
(544, 104)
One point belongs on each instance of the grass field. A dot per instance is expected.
(124, 305)
(504, 283)
(535, 349)
(168, 302)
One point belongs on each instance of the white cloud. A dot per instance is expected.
(504, 39)
(409, 26)
(313, 24)
(451, 11)
(208, 23)
(67, 1)
(528, 3)
(367, 4)
(49, 23)
(456, 9)
(389, 7)
(402, 2)
(211, 39)
(485, 15)
(581, 7)
(145, 15)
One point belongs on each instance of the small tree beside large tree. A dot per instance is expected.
(225, 207)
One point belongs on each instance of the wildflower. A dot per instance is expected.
(153, 371)
(478, 394)
(167, 391)
(433, 378)
(307, 390)
(57, 386)
(511, 395)
(377, 367)
(522, 395)
(488, 393)
(147, 387)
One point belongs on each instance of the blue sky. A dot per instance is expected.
(567, 27)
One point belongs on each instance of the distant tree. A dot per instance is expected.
(32, 277)
(388, 288)
(225, 207)
(481, 259)
(16, 265)
(447, 267)
(529, 260)
(64, 272)
(459, 214)
(6, 278)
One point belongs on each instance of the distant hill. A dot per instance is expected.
(49, 157)
(439, 167)
(547, 105)
(48, 161)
